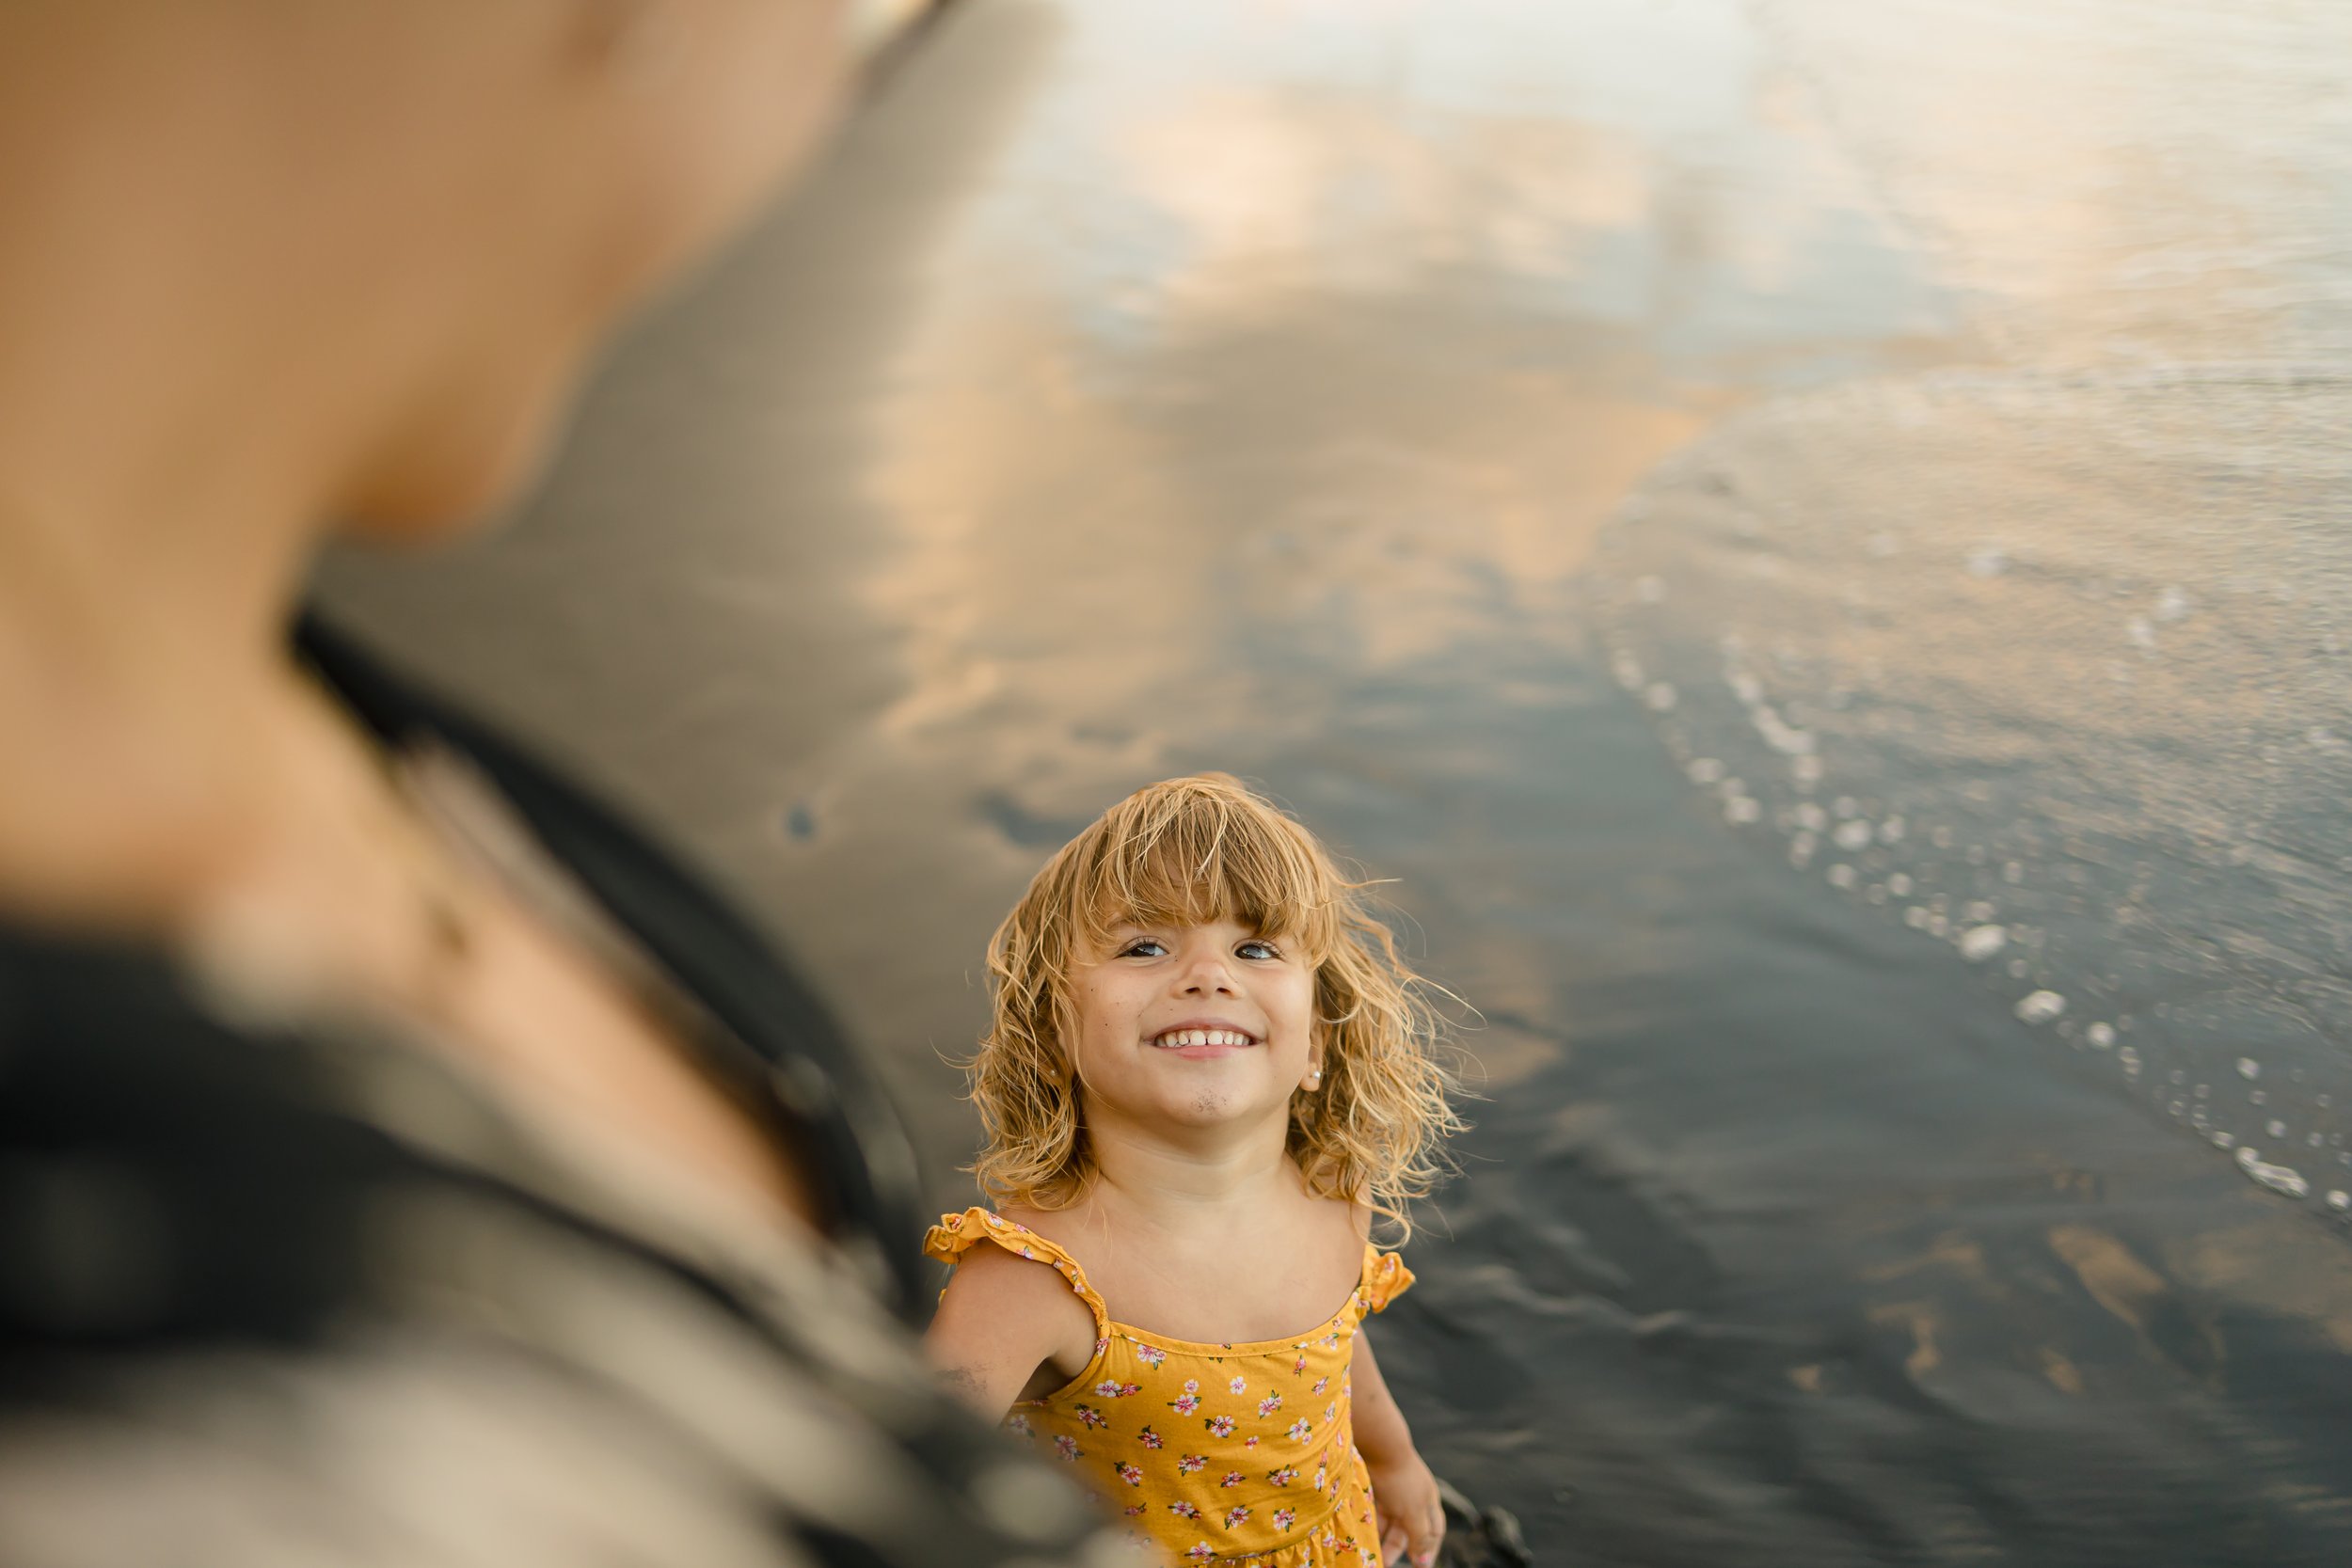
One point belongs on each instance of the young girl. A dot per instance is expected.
(1208, 1070)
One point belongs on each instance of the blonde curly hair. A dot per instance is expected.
(1195, 851)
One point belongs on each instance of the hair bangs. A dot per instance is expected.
(1199, 856)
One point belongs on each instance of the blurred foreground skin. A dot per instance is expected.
(270, 264)
(372, 1190)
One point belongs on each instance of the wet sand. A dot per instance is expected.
(1259, 386)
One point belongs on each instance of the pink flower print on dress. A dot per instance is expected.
(1067, 1447)
(1321, 1384)
(1021, 1425)
(1151, 1356)
(1251, 1441)
(1184, 1510)
(1321, 1476)
(1131, 1474)
(1190, 1463)
(1200, 1552)
(1131, 1510)
(1301, 1430)
(1185, 1403)
(1088, 1416)
(1220, 1426)
(1240, 1386)
(1330, 1413)
(1283, 1477)
(1301, 1365)
(1284, 1518)
(1233, 1478)
(1149, 1438)
(1269, 1404)
(1235, 1514)
(1113, 1390)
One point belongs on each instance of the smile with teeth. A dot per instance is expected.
(1178, 1038)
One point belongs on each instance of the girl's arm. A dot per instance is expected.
(1412, 1519)
(1002, 1321)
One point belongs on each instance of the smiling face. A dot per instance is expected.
(1193, 1025)
(1193, 905)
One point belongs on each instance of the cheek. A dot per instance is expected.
(760, 97)
(1298, 1002)
(682, 167)
(1106, 1010)
(1090, 1017)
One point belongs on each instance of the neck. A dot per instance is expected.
(172, 573)
(1173, 1181)
(144, 594)
(140, 714)
(167, 455)
(155, 420)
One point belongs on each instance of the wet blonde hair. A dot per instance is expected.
(1195, 851)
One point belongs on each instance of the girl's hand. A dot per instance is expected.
(1412, 1519)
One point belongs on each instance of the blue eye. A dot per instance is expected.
(1265, 950)
(1136, 949)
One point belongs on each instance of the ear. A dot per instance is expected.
(1318, 1047)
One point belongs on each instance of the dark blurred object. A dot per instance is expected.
(1479, 1537)
(262, 1282)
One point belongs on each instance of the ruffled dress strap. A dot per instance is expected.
(957, 1234)
(1385, 1277)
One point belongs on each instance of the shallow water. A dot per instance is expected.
(1502, 427)
(2093, 737)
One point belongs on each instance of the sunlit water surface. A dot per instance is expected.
(1809, 537)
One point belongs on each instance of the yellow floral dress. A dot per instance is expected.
(1226, 1455)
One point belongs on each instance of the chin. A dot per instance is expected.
(1211, 1106)
(427, 518)
(462, 475)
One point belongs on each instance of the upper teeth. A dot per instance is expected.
(1202, 1037)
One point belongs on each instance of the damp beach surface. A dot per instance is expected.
(1811, 539)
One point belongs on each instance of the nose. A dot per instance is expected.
(1206, 975)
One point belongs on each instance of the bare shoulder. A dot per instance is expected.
(1065, 1227)
(1019, 1302)
(1336, 1229)
(1338, 1220)
(993, 1281)
(1080, 1229)
(1008, 1328)
(1352, 1225)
